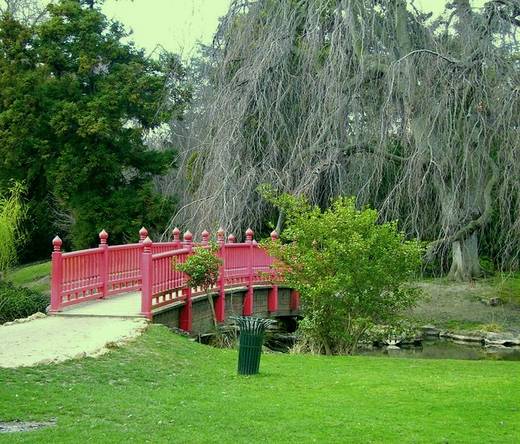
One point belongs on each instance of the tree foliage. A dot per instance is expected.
(12, 214)
(414, 116)
(75, 102)
(351, 272)
(202, 267)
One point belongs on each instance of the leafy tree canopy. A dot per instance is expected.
(75, 102)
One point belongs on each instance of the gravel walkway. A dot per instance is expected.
(52, 339)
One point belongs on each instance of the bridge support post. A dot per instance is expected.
(186, 314)
(272, 299)
(248, 299)
(220, 303)
(103, 263)
(272, 296)
(295, 300)
(147, 278)
(57, 274)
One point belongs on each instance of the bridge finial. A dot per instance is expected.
(103, 236)
(231, 238)
(57, 243)
(249, 236)
(147, 244)
(274, 235)
(176, 233)
(143, 234)
(188, 237)
(220, 236)
(205, 237)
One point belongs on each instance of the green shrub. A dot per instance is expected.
(350, 270)
(20, 302)
(202, 267)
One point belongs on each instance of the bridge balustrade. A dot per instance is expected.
(148, 267)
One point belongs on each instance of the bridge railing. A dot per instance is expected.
(148, 267)
(243, 264)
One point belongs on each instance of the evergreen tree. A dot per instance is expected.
(75, 102)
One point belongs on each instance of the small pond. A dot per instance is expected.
(446, 349)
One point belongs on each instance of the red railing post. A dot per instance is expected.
(272, 297)
(186, 315)
(248, 299)
(205, 237)
(57, 274)
(147, 278)
(103, 265)
(143, 234)
(220, 304)
(176, 237)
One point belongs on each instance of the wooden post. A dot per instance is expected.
(248, 299)
(57, 274)
(231, 239)
(220, 305)
(176, 237)
(103, 265)
(272, 297)
(186, 315)
(143, 234)
(295, 300)
(147, 278)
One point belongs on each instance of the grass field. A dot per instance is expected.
(35, 276)
(165, 388)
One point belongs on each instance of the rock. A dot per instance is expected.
(430, 330)
(38, 315)
(464, 337)
(507, 339)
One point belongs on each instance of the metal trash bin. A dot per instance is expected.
(250, 343)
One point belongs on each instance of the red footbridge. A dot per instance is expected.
(145, 269)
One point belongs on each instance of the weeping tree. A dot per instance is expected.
(415, 116)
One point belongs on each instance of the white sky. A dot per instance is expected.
(177, 25)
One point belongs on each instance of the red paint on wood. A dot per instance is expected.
(272, 299)
(56, 273)
(295, 300)
(147, 282)
(103, 236)
(147, 266)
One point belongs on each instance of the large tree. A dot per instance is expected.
(414, 116)
(75, 103)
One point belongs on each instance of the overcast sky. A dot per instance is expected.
(178, 24)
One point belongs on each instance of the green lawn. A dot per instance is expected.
(35, 276)
(164, 388)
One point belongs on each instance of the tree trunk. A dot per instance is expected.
(465, 265)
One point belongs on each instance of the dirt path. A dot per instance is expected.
(55, 339)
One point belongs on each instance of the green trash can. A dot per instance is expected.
(250, 343)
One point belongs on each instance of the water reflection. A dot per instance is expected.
(444, 349)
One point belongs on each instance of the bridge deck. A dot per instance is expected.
(127, 305)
